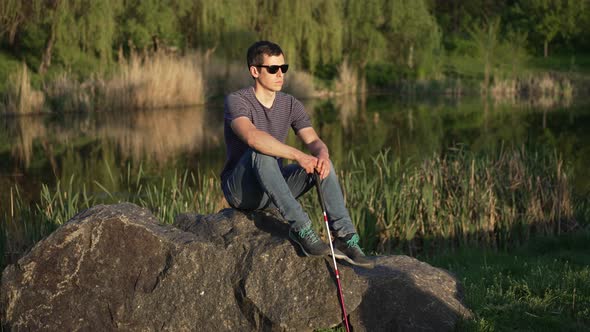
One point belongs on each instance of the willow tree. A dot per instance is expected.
(413, 35)
(363, 38)
(12, 14)
(145, 23)
(310, 32)
(74, 33)
(399, 32)
(87, 32)
(224, 26)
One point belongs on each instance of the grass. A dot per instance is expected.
(26, 223)
(579, 63)
(457, 199)
(458, 210)
(541, 286)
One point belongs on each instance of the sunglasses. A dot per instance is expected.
(274, 68)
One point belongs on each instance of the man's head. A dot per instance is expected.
(266, 63)
(256, 52)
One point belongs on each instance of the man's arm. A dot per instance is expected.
(318, 148)
(266, 144)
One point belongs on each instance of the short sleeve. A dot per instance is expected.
(235, 107)
(299, 118)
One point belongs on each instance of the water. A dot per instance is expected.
(99, 148)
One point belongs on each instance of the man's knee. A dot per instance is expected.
(261, 160)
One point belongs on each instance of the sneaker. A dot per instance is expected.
(310, 242)
(349, 245)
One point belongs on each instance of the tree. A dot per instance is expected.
(485, 39)
(12, 14)
(142, 22)
(363, 38)
(412, 33)
(551, 18)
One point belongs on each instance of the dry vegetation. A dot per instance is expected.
(21, 97)
(543, 91)
(143, 81)
(155, 81)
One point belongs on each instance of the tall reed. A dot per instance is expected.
(21, 97)
(458, 198)
(543, 91)
(452, 199)
(347, 81)
(154, 81)
(64, 93)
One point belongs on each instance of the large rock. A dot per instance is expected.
(116, 267)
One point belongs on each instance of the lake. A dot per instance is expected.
(96, 149)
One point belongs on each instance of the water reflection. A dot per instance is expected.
(158, 136)
(97, 150)
(100, 146)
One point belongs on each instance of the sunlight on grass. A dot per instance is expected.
(541, 286)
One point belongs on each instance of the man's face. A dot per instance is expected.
(273, 82)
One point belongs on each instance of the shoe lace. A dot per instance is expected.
(308, 233)
(354, 242)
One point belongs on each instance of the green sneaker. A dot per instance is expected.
(310, 242)
(349, 245)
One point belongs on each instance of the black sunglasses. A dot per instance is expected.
(274, 68)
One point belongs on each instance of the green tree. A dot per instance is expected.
(144, 23)
(548, 19)
(310, 32)
(413, 34)
(485, 40)
(74, 33)
(363, 38)
(402, 32)
(12, 14)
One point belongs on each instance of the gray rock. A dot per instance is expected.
(116, 267)
(408, 295)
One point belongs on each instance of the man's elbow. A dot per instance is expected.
(251, 139)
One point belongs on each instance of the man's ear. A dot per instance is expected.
(254, 71)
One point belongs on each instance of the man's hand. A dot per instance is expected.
(323, 165)
(308, 162)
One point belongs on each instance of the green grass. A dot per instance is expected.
(541, 286)
(447, 202)
(579, 63)
(451, 200)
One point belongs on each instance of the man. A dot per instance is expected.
(256, 125)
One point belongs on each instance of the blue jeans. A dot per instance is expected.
(258, 182)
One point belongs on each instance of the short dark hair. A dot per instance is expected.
(257, 51)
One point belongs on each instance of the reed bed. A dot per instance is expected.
(142, 81)
(543, 91)
(347, 81)
(458, 198)
(154, 81)
(450, 200)
(21, 97)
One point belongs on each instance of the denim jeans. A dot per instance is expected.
(258, 182)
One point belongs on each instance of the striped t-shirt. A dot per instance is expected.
(285, 112)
